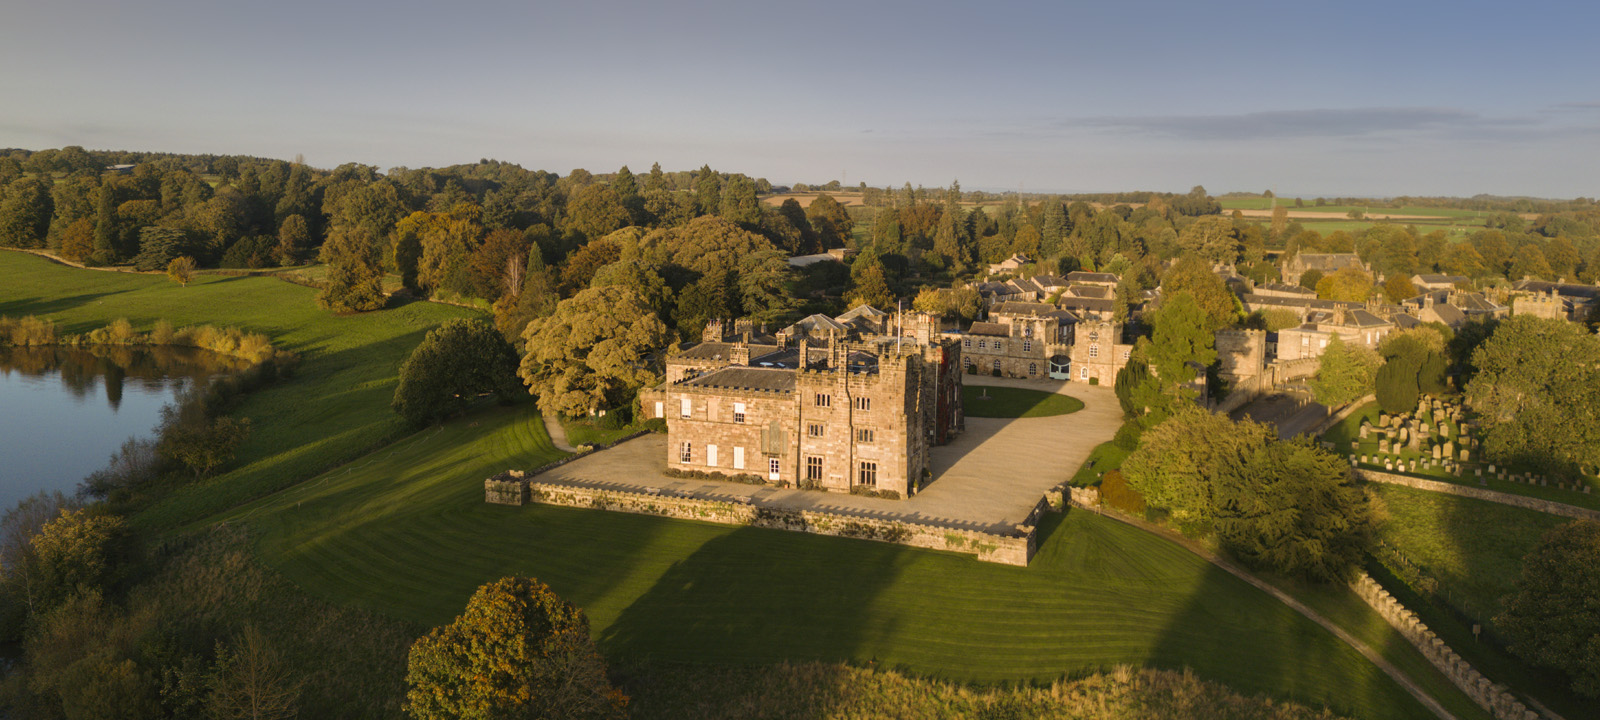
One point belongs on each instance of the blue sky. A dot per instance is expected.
(1350, 98)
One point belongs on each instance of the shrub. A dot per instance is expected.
(454, 364)
(1094, 381)
(1127, 436)
(1114, 491)
(27, 331)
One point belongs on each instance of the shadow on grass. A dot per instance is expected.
(41, 307)
(728, 602)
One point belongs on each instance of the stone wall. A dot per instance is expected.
(1010, 549)
(1522, 501)
(1494, 698)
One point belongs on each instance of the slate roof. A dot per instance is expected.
(1327, 261)
(1568, 290)
(819, 323)
(1014, 307)
(1441, 279)
(1089, 291)
(1284, 288)
(1308, 302)
(1449, 314)
(1082, 303)
(1091, 277)
(1049, 280)
(989, 328)
(748, 379)
(861, 311)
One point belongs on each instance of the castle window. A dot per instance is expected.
(1125, 355)
(815, 430)
(966, 342)
(1033, 369)
(997, 345)
(983, 344)
(863, 403)
(738, 412)
(772, 467)
(824, 400)
(686, 452)
(814, 468)
(997, 366)
(864, 435)
(1027, 346)
(869, 473)
(685, 407)
(1027, 332)
(1094, 351)
(1083, 373)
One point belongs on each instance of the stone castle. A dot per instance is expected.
(844, 404)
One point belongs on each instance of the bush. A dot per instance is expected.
(1114, 491)
(27, 332)
(455, 363)
(1127, 436)
(1094, 381)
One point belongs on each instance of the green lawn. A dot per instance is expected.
(1104, 458)
(406, 531)
(334, 409)
(984, 401)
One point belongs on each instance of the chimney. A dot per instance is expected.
(804, 349)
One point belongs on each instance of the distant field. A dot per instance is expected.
(405, 531)
(334, 408)
(1267, 204)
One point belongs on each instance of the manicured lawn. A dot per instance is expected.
(334, 409)
(584, 432)
(406, 531)
(1104, 458)
(1005, 402)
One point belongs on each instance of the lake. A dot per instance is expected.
(64, 411)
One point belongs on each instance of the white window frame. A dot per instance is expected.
(685, 452)
(711, 456)
(1094, 351)
(738, 412)
(661, 409)
(685, 408)
(738, 458)
(773, 469)
(1083, 373)
(1027, 346)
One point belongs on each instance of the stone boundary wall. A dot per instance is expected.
(1522, 501)
(1011, 549)
(1493, 698)
(1344, 412)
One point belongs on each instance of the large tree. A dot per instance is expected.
(1178, 459)
(1537, 391)
(1292, 508)
(591, 353)
(1193, 275)
(1212, 238)
(517, 651)
(596, 211)
(1182, 344)
(1346, 284)
(355, 280)
(456, 362)
(25, 211)
(1553, 617)
(1346, 372)
(830, 221)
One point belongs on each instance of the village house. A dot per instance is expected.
(1018, 340)
(1325, 263)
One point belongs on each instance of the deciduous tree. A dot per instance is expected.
(180, 270)
(454, 364)
(590, 354)
(1537, 391)
(355, 280)
(1553, 617)
(1346, 372)
(517, 651)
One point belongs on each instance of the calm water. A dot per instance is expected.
(63, 412)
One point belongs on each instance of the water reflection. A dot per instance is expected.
(64, 411)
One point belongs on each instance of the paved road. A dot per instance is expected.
(989, 478)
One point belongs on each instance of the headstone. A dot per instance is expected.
(1437, 452)
(1383, 420)
(1466, 455)
(1363, 431)
(1416, 442)
(1405, 433)
(1491, 469)
(1383, 446)
(1477, 472)
(1587, 488)
(1355, 444)
(1364, 458)
(1444, 430)
(1388, 465)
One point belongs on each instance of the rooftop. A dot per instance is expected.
(746, 378)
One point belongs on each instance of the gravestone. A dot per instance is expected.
(1363, 431)
(1416, 442)
(1466, 455)
(1404, 434)
(1383, 446)
(1437, 452)
(1383, 420)
(1444, 430)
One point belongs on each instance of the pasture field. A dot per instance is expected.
(1253, 203)
(1005, 402)
(405, 531)
(335, 407)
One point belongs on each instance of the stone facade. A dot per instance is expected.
(845, 412)
(1099, 352)
(1325, 263)
(1242, 353)
(1019, 340)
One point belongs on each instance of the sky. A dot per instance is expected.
(1333, 99)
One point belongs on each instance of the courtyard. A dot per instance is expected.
(989, 478)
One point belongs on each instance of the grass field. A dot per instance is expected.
(406, 531)
(1104, 458)
(1256, 203)
(1004, 402)
(334, 409)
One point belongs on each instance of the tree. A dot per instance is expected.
(1280, 220)
(25, 210)
(1552, 616)
(1182, 343)
(251, 680)
(1293, 509)
(1396, 384)
(1177, 459)
(590, 353)
(159, 246)
(517, 651)
(1193, 275)
(1138, 391)
(765, 280)
(180, 270)
(804, 240)
(739, 204)
(535, 299)
(830, 222)
(1461, 259)
(708, 190)
(1212, 238)
(202, 445)
(1310, 278)
(454, 364)
(77, 241)
(105, 225)
(1537, 390)
(1346, 372)
(1347, 284)
(870, 287)
(75, 553)
(585, 262)
(447, 241)
(502, 249)
(596, 211)
(355, 281)
(1399, 288)
(294, 240)
(1529, 262)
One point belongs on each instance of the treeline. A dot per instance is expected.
(1490, 256)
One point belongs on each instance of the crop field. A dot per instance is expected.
(334, 409)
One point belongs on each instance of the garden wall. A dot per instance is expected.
(1522, 501)
(1491, 697)
(1010, 549)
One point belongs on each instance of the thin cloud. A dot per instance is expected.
(1320, 123)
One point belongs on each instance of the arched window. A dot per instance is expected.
(997, 366)
(1033, 369)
